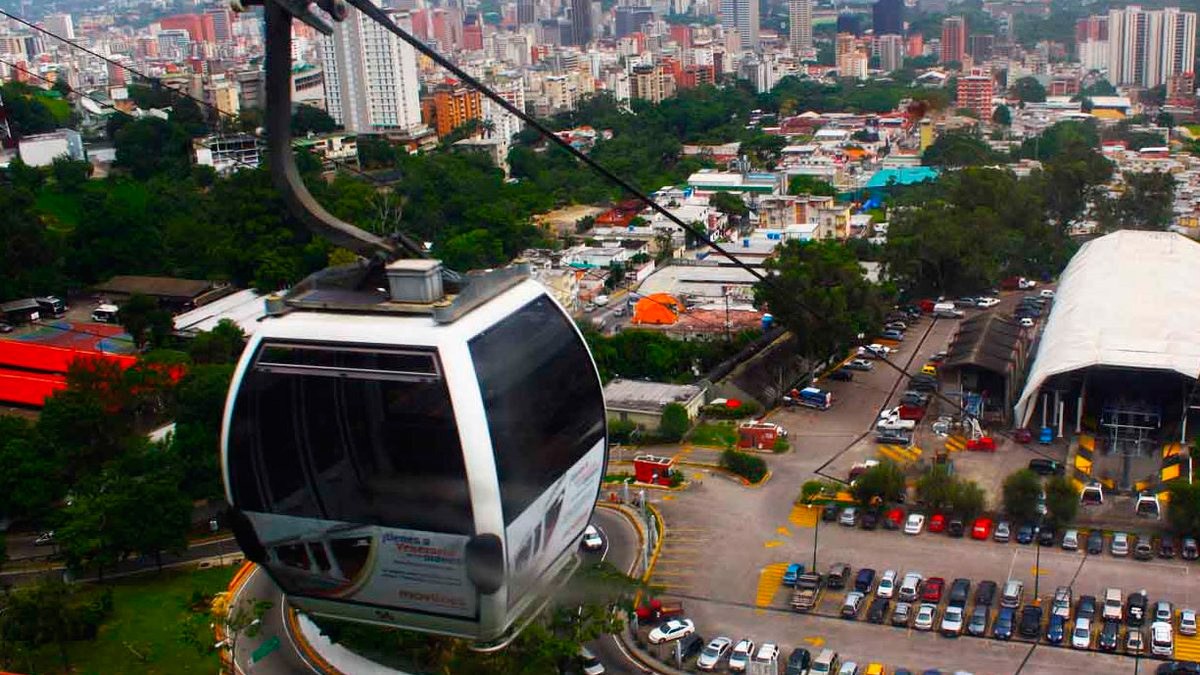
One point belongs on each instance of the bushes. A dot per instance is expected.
(781, 445)
(621, 431)
(750, 467)
(675, 422)
(723, 412)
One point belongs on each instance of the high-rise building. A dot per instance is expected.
(652, 83)
(891, 52)
(1145, 48)
(453, 106)
(742, 15)
(631, 19)
(198, 26)
(1181, 89)
(371, 83)
(800, 25)
(980, 47)
(581, 21)
(222, 22)
(61, 25)
(849, 22)
(954, 39)
(975, 93)
(887, 17)
(525, 12)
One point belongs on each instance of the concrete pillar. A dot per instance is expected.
(1056, 411)
(1061, 417)
(1079, 414)
(1045, 407)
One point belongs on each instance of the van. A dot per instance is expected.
(826, 663)
(105, 314)
(51, 305)
(1162, 643)
(1013, 590)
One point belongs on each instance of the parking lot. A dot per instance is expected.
(727, 545)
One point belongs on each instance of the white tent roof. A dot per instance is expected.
(1129, 299)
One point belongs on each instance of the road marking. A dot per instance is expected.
(815, 641)
(956, 443)
(698, 475)
(667, 498)
(804, 515)
(770, 579)
(1038, 571)
(1187, 647)
(772, 543)
(783, 532)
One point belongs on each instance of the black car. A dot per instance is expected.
(1166, 547)
(1109, 635)
(1031, 622)
(1046, 536)
(1135, 609)
(691, 645)
(985, 593)
(892, 437)
(955, 528)
(1046, 467)
(870, 520)
(865, 580)
(798, 661)
(1086, 607)
(960, 590)
(840, 375)
(1095, 542)
(878, 610)
(1178, 668)
(923, 383)
(829, 514)
(1025, 534)
(915, 398)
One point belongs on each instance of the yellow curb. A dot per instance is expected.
(662, 535)
(311, 654)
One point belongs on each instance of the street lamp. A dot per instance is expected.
(1037, 562)
(816, 532)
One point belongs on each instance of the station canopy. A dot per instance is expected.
(1130, 299)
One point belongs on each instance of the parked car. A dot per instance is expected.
(713, 653)
(739, 658)
(914, 398)
(1025, 533)
(878, 610)
(1070, 540)
(1061, 605)
(937, 523)
(1014, 591)
(1046, 467)
(901, 614)
(840, 375)
(1166, 547)
(1095, 542)
(952, 622)
(799, 661)
(829, 513)
(1046, 536)
(870, 519)
(985, 593)
(1081, 635)
(896, 325)
(1086, 607)
(910, 587)
(1135, 608)
(1056, 629)
(889, 334)
(981, 529)
(789, 575)
(925, 616)
(864, 581)
(1135, 644)
(1003, 532)
(960, 591)
(916, 522)
(1030, 625)
(893, 519)
(1187, 622)
(932, 590)
(1188, 550)
(1143, 550)
(852, 605)
(849, 516)
(1002, 629)
(954, 528)
(859, 364)
(1119, 546)
(672, 630)
(839, 573)
(977, 625)
(986, 303)
(1162, 640)
(887, 584)
(1110, 634)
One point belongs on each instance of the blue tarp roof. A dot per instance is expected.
(902, 176)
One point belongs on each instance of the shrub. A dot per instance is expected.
(675, 422)
(747, 466)
(781, 445)
(621, 431)
(746, 409)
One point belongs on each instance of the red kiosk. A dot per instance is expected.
(653, 470)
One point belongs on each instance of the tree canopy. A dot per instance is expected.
(1028, 90)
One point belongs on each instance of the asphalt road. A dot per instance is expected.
(726, 546)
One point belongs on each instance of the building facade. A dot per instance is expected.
(975, 92)
(954, 39)
(742, 16)
(1146, 48)
(800, 25)
(887, 17)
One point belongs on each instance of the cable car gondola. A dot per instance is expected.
(404, 446)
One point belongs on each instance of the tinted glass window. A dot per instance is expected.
(544, 406)
(345, 435)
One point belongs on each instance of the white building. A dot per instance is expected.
(371, 83)
(742, 16)
(227, 153)
(42, 149)
(1147, 47)
(61, 25)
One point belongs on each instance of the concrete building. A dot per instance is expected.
(891, 52)
(371, 83)
(1145, 48)
(887, 17)
(975, 92)
(954, 39)
(61, 25)
(453, 105)
(582, 30)
(227, 153)
(742, 16)
(651, 83)
(800, 25)
(642, 402)
(43, 149)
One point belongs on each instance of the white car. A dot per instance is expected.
(874, 351)
(987, 303)
(915, 523)
(591, 664)
(925, 615)
(592, 541)
(1081, 637)
(859, 364)
(848, 668)
(1162, 642)
(1070, 540)
(713, 652)
(910, 587)
(1120, 544)
(1187, 622)
(894, 423)
(1046, 293)
(887, 584)
(739, 658)
(672, 630)
(952, 621)
(1026, 322)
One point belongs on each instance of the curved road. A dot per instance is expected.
(620, 549)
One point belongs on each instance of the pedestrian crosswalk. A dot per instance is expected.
(804, 515)
(1187, 647)
(900, 454)
(769, 581)
(956, 443)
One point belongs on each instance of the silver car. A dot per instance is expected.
(1003, 532)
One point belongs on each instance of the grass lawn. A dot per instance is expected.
(64, 209)
(715, 434)
(148, 611)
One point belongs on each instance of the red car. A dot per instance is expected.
(982, 529)
(932, 590)
(894, 519)
(911, 412)
(1023, 436)
(937, 523)
(983, 444)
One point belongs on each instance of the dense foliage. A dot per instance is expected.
(751, 467)
(657, 356)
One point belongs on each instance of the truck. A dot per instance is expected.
(760, 435)
(809, 397)
(656, 611)
(1017, 283)
(927, 306)
(807, 593)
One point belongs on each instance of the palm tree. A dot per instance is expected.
(488, 127)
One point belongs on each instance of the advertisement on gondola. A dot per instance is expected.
(543, 531)
(406, 569)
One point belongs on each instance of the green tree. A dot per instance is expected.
(818, 290)
(1183, 508)
(50, 612)
(1021, 491)
(751, 467)
(145, 322)
(70, 174)
(957, 149)
(150, 146)
(1002, 116)
(730, 204)
(880, 484)
(31, 479)
(810, 185)
(306, 118)
(188, 116)
(27, 113)
(1146, 204)
(937, 488)
(675, 422)
(1028, 90)
(1062, 500)
(967, 500)
(222, 344)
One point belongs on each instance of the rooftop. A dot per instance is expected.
(650, 397)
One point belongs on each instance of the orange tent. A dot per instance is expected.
(659, 309)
